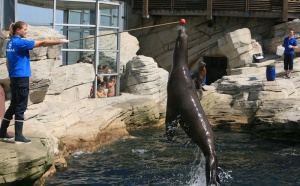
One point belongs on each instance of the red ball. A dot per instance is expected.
(182, 21)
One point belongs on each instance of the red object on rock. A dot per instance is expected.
(182, 21)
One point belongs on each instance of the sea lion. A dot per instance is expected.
(202, 71)
(198, 78)
(183, 107)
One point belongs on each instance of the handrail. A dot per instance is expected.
(293, 6)
(234, 5)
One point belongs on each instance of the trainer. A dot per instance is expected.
(18, 66)
(289, 44)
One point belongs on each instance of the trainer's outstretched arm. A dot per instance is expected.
(49, 42)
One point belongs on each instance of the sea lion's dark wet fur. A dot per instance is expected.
(183, 107)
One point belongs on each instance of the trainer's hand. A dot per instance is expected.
(290, 46)
(63, 41)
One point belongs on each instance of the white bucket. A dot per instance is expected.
(280, 50)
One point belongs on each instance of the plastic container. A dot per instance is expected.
(271, 73)
(280, 50)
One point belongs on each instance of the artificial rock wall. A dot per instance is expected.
(158, 42)
(235, 38)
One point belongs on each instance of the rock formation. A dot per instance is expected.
(239, 48)
(110, 42)
(158, 42)
(61, 119)
(251, 103)
(143, 77)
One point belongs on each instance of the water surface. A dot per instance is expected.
(148, 159)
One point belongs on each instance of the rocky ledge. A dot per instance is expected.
(269, 109)
(24, 164)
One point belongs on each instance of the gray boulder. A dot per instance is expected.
(143, 77)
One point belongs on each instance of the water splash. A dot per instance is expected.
(139, 151)
(197, 172)
(172, 127)
(288, 152)
(80, 153)
(225, 177)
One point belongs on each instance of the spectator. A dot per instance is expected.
(105, 69)
(100, 69)
(89, 60)
(111, 86)
(92, 92)
(101, 93)
(99, 80)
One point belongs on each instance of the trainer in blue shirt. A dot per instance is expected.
(18, 66)
(289, 44)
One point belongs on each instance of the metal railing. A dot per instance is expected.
(233, 5)
(294, 6)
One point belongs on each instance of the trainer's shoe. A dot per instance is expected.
(21, 139)
(5, 137)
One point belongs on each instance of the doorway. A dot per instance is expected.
(215, 68)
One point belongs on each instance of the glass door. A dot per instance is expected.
(108, 48)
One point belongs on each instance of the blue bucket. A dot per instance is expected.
(271, 73)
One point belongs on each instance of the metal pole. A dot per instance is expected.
(285, 10)
(54, 14)
(16, 11)
(209, 10)
(96, 46)
(247, 6)
(1, 14)
(145, 9)
(119, 52)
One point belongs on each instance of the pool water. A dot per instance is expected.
(149, 159)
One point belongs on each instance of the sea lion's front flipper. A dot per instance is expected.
(172, 120)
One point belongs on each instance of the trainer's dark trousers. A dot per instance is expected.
(19, 98)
